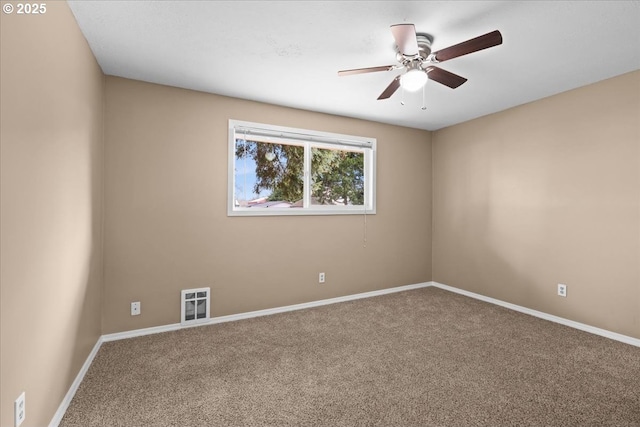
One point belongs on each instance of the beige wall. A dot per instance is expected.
(166, 224)
(51, 209)
(546, 193)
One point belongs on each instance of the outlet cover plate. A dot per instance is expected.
(135, 308)
(19, 409)
(562, 290)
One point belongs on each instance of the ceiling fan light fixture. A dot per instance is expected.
(413, 79)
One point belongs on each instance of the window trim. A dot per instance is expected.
(307, 138)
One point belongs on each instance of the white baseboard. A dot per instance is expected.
(576, 325)
(146, 331)
(269, 311)
(233, 317)
(258, 313)
(57, 417)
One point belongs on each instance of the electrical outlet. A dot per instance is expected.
(562, 290)
(19, 409)
(135, 308)
(321, 278)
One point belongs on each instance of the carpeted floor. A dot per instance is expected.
(423, 357)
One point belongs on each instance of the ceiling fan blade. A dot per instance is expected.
(445, 77)
(390, 90)
(485, 41)
(405, 35)
(365, 70)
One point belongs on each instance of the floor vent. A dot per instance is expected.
(195, 306)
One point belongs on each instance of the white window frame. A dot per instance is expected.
(308, 139)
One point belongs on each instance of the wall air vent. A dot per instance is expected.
(195, 306)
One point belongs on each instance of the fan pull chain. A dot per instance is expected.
(424, 107)
(402, 97)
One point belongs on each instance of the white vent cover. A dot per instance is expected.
(195, 306)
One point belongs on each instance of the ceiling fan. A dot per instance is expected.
(415, 56)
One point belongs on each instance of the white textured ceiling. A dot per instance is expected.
(288, 52)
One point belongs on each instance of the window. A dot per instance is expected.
(275, 170)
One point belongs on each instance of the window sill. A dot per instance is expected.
(298, 212)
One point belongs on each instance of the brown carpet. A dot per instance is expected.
(423, 357)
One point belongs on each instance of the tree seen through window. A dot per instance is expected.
(276, 174)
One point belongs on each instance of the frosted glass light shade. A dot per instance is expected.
(413, 80)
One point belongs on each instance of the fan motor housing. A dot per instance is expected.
(424, 44)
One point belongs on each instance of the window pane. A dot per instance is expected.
(268, 175)
(337, 177)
